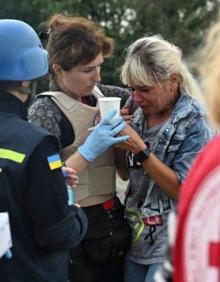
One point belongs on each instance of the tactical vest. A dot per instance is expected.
(97, 181)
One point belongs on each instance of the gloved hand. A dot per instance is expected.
(102, 137)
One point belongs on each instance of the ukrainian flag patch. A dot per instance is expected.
(54, 161)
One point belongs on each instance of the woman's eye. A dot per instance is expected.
(146, 89)
(87, 70)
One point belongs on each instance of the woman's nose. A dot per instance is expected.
(97, 75)
(137, 96)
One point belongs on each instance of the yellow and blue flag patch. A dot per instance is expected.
(54, 161)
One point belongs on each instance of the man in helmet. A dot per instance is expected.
(32, 186)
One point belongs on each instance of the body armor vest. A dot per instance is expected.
(97, 181)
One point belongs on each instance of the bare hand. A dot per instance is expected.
(71, 179)
(134, 143)
(125, 113)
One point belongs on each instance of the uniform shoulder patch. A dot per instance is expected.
(54, 161)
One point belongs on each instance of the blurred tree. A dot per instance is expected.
(182, 22)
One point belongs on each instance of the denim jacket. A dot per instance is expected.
(178, 142)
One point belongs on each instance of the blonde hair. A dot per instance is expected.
(151, 59)
(209, 68)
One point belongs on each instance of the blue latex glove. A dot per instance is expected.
(102, 137)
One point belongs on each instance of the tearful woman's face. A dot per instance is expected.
(155, 99)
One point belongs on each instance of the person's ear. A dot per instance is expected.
(175, 80)
(57, 69)
(174, 77)
(25, 83)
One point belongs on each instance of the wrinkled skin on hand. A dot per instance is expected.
(125, 113)
(134, 142)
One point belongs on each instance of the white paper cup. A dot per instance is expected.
(107, 104)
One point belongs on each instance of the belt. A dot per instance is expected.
(109, 204)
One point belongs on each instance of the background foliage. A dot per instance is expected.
(182, 22)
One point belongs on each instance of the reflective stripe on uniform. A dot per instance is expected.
(11, 155)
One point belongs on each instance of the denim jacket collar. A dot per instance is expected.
(181, 111)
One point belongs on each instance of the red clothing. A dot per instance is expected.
(197, 248)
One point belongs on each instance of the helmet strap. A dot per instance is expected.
(28, 88)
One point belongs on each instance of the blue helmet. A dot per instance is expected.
(22, 56)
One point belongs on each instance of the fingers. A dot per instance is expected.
(128, 119)
(118, 128)
(116, 122)
(73, 181)
(70, 176)
(69, 170)
(124, 111)
(120, 139)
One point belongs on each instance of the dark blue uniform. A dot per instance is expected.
(34, 194)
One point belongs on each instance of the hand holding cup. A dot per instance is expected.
(134, 143)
